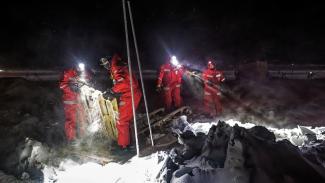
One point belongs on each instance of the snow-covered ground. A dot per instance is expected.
(146, 169)
(137, 170)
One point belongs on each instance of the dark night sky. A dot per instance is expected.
(54, 35)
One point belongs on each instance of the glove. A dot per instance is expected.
(109, 94)
(210, 84)
(74, 87)
(193, 73)
(158, 88)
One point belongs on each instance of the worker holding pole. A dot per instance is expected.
(212, 78)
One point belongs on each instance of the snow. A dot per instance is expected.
(146, 169)
(204, 127)
(294, 135)
(137, 170)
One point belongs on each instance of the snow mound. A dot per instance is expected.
(137, 170)
(297, 136)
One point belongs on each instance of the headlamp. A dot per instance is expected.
(81, 67)
(174, 61)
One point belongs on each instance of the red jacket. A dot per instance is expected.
(68, 94)
(121, 77)
(169, 75)
(212, 76)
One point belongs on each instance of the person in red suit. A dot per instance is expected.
(170, 81)
(121, 80)
(72, 107)
(212, 94)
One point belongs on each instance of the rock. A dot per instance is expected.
(25, 176)
(182, 124)
(235, 154)
(8, 178)
(215, 147)
(262, 133)
(310, 134)
(26, 150)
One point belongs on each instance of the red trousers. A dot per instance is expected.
(73, 114)
(125, 117)
(212, 103)
(172, 94)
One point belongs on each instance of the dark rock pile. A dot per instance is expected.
(30, 113)
(235, 154)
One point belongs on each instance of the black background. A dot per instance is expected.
(58, 34)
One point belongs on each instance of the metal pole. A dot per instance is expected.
(130, 72)
(140, 70)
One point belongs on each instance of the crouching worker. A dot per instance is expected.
(122, 89)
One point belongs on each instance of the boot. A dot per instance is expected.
(131, 148)
(126, 151)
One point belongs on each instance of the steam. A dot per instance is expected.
(276, 103)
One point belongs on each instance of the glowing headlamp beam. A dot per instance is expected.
(174, 61)
(81, 66)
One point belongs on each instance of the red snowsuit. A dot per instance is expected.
(121, 79)
(71, 104)
(170, 78)
(212, 79)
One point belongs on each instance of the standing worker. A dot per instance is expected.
(170, 80)
(212, 93)
(70, 85)
(121, 80)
